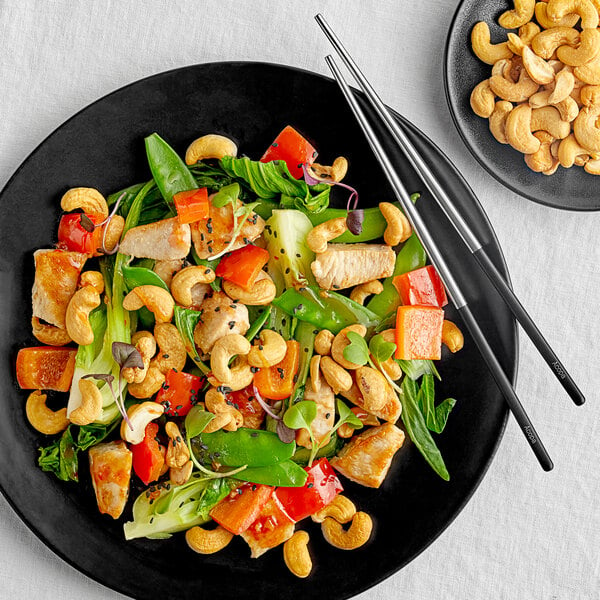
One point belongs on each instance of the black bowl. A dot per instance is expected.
(570, 189)
(102, 146)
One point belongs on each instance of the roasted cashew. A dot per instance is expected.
(569, 150)
(341, 341)
(567, 109)
(319, 235)
(181, 475)
(154, 298)
(486, 51)
(590, 94)
(223, 351)
(564, 82)
(177, 450)
(539, 70)
(498, 120)
(165, 269)
(145, 344)
(346, 431)
(93, 278)
(139, 416)
(336, 172)
(226, 416)
(323, 342)
(540, 161)
(373, 387)
(42, 418)
(337, 377)
(153, 381)
(360, 293)
(592, 167)
(526, 34)
(262, 292)
(49, 334)
(514, 91)
(518, 130)
(398, 228)
(586, 127)
(483, 99)
(184, 282)
(210, 146)
(315, 373)
(113, 231)
(89, 200)
(341, 509)
(296, 555)
(542, 98)
(205, 541)
(588, 49)
(242, 375)
(590, 72)
(78, 312)
(90, 408)
(559, 9)
(541, 15)
(546, 43)
(172, 353)
(270, 350)
(548, 119)
(452, 336)
(357, 535)
(521, 14)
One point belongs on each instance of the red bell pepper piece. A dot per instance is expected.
(46, 368)
(73, 236)
(277, 382)
(149, 455)
(245, 401)
(292, 148)
(241, 507)
(192, 205)
(179, 392)
(321, 487)
(243, 265)
(422, 287)
(419, 332)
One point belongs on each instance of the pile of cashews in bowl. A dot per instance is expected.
(543, 96)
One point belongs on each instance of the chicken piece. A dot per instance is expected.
(323, 422)
(368, 456)
(345, 265)
(271, 528)
(389, 412)
(110, 467)
(165, 269)
(213, 235)
(220, 317)
(56, 278)
(167, 239)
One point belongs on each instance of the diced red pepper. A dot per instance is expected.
(243, 265)
(46, 368)
(422, 287)
(148, 455)
(241, 507)
(419, 332)
(292, 148)
(245, 401)
(192, 205)
(277, 382)
(179, 392)
(73, 236)
(321, 487)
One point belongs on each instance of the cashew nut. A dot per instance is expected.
(226, 416)
(539, 70)
(482, 99)
(296, 555)
(153, 381)
(548, 119)
(209, 146)
(49, 334)
(357, 535)
(567, 109)
(590, 72)
(145, 344)
(521, 14)
(542, 160)
(78, 312)
(181, 475)
(587, 128)
(172, 353)
(498, 120)
(341, 341)
(398, 228)
(42, 418)
(341, 509)
(177, 450)
(373, 387)
(337, 377)
(93, 278)
(545, 43)
(360, 293)
(518, 91)
(541, 15)
(262, 292)
(588, 49)
(564, 82)
(336, 172)
(315, 373)
(113, 231)
(165, 269)
(486, 51)
(242, 375)
(206, 541)
(318, 236)
(569, 150)
(139, 416)
(184, 282)
(518, 130)
(592, 167)
(90, 408)
(154, 298)
(558, 9)
(224, 349)
(270, 351)
(89, 200)
(452, 336)
(323, 342)
(590, 94)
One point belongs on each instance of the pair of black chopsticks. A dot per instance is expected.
(435, 255)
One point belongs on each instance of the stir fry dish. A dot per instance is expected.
(232, 350)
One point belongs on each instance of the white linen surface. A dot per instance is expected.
(525, 534)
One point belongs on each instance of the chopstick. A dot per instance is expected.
(445, 273)
(468, 237)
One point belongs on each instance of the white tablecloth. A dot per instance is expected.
(525, 534)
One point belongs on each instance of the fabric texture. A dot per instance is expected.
(525, 534)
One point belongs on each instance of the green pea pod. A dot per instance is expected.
(285, 473)
(136, 276)
(258, 323)
(302, 455)
(252, 447)
(170, 173)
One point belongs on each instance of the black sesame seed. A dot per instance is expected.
(336, 287)
(217, 308)
(231, 324)
(207, 271)
(282, 250)
(254, 488)
(254, 434)
(165, 356)
(327, 415)
(309, 485)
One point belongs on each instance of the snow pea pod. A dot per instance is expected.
(285, 473)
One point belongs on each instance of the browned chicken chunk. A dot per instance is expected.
(368, 456)
(164, 240)
(323, 422)
(345, 265)
(56, 278)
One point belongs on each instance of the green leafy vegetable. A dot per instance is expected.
(300, 416)
(196, 421)
(228, 194)
(435, 416)
(136, 276)
(60, 457)
(380, 349)
(186, 320)
(357, 350)
(335, 443)
(415, 369)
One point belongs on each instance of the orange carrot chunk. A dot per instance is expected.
(419, 332)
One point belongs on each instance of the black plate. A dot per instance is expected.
(570, 189)
(102, 146)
